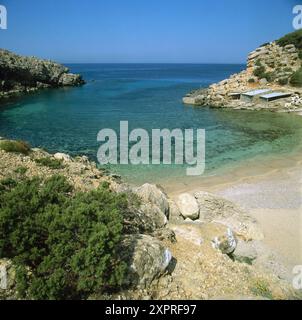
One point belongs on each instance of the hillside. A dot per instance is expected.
(19, 74)
(273, 68)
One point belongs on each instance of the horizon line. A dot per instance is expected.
(192, 63)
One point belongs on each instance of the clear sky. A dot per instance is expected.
(190, 31)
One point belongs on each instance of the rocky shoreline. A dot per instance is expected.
(197, 246)
(19, 75)
(273, 67)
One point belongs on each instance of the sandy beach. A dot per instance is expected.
(272, 192)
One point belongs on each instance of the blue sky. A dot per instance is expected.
(187, 31)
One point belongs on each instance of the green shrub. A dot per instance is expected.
(50, 163)
(21, 170)
(258, 63)
(300, 54)
(269, 76)
(294, 38)
(67, 241)
(251, 80)
(288, 69)
(15, 146)
(261, 288)
(259, 72)
(296, 78)
(283, 81)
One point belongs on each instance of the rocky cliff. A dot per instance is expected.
(275, 66)
(20, 74)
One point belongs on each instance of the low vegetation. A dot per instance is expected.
(294, 38)
(259, 72)
(296, 78)
(15, 146)
(64, 244)
(50, 163)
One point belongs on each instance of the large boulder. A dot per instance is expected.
(188, 206)
(174, 212)
(152, 216)
(217, 209)
(146, 257)
(150, 193)
(245, 252)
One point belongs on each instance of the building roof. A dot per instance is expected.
(275, 95)
(256, 92)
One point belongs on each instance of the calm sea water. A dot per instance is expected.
(148, 96)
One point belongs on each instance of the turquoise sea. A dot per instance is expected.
(149, 96)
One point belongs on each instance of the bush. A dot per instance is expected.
(288, 69)
(259, 72)
(251, 80)
(258, 63)
(283, 81)
(294, 38)
(21, 170)
(15, 146)
(67, 241)
(269, 76)
(300, 54)
(296, 78)
(50, 163)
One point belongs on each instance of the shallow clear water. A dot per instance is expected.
(150, 97)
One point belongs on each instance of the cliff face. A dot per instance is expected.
(20, 74)
(272, 67)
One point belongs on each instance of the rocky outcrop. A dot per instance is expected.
(270, 66)
(20, 74)
(147, 259)
(217, 209)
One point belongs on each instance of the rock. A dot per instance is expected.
(245, 252)
(189, 231)
(174, 212)
(152, 194)
(188, 206)
(69, 79)
(217, 209)
(165, 234)
(146, 257)
(62, 156)
(7, 278)
(263, 82)
(27, 74)
(226, 242)
(152, 216)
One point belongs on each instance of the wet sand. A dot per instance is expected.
(271, 191)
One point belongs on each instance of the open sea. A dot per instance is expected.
(149, 96)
